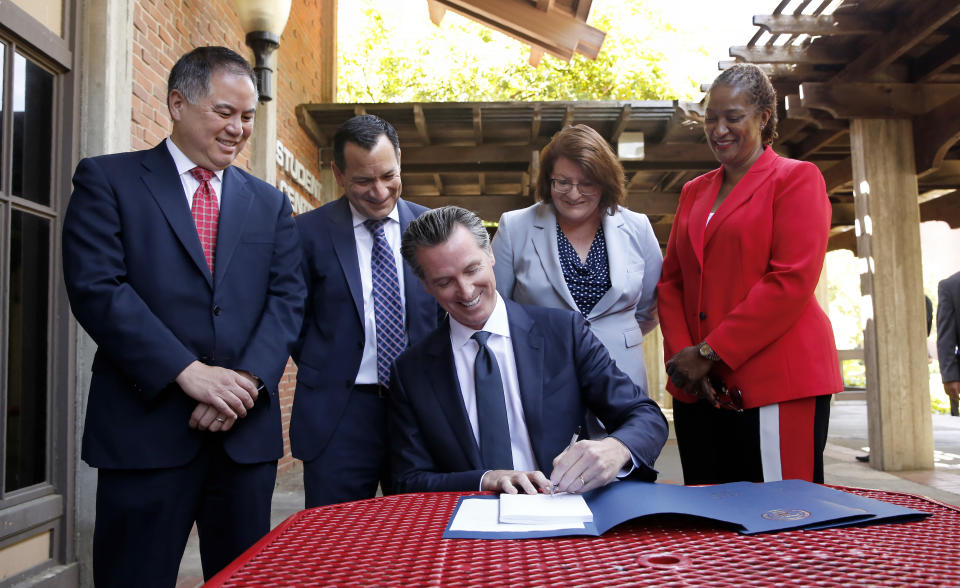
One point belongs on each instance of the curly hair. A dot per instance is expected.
(751, 78)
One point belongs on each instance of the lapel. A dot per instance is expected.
(700, 208)
(544, 237)
(446, 391)
(528, 351)
(411, 291)
(235, 201)
(345, 246)
(742, 192)
(163, 183)
(613, 226)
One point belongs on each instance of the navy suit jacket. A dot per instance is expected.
(330, 347)
(562, 368)
(139, 285)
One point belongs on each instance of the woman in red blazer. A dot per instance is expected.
(752, 358)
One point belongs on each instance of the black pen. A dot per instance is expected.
(573, 441)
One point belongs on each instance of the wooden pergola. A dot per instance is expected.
(870, 93)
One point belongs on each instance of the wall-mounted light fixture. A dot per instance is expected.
(263, 22)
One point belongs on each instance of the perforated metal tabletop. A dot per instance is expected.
(396, 540)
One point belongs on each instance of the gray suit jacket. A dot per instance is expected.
(948, 328)
(528, 271)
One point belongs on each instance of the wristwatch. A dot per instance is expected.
(707, 352)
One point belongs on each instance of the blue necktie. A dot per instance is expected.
(491, 408)
(387, 308)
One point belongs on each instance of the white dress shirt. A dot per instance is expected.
(190, 183)
(364, 240)
(465, 355)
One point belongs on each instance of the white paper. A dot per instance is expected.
(482, 514)
(531, 509)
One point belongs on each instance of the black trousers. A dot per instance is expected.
(355, 461)
(719, 446)
(144, 517)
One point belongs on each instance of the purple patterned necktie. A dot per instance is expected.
(387, 308)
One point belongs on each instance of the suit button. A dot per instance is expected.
(216, 311)
(703, 316)
(204, 359)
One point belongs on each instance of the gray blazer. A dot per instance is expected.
(528, 271)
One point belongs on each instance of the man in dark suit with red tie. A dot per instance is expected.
(185, 272)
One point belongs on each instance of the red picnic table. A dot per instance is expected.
(397, 540)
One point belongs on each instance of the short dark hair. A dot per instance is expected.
(191, 73)
(434, 227)
(365, 131)
(762, 95)
(585, 147)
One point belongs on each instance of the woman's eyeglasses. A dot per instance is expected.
(564, 186)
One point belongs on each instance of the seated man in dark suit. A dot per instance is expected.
(491, 398)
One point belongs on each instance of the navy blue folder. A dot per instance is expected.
(745, 506)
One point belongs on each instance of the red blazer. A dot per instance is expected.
(745, 282)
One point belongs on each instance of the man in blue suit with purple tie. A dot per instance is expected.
(185, 272)
(364, 306)
(491, 399)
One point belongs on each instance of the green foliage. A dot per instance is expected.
(391, 52)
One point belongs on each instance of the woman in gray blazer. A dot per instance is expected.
(579, 249)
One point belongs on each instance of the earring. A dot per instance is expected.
(761, 126)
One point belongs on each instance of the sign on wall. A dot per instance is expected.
(300, 176)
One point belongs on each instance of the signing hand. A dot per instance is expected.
(228, 392)
(513, 481)
(588, 464)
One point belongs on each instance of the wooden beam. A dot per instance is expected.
(945, 208)
(895, 355)
(557, 33)
(822, 26)
(308, 124)
(536, 55)
(843, 240)
(328, 51)
(567, 117)
(918, 21)
(677, 152)
(621, 123)
(843, 214)
(934, 133)
(535, 118)
(790, 55)
(938, 59)
(420, 122)
(653, 203)
(477, 125)
(437, 11)
(815, 142)
(488, 208)
(438, 183)
(879, 100)
(838, 175)
(486, 153)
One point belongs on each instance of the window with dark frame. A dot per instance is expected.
(26, 155)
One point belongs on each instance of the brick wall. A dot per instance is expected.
(166, 29)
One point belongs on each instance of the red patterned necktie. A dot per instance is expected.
(206, 213)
